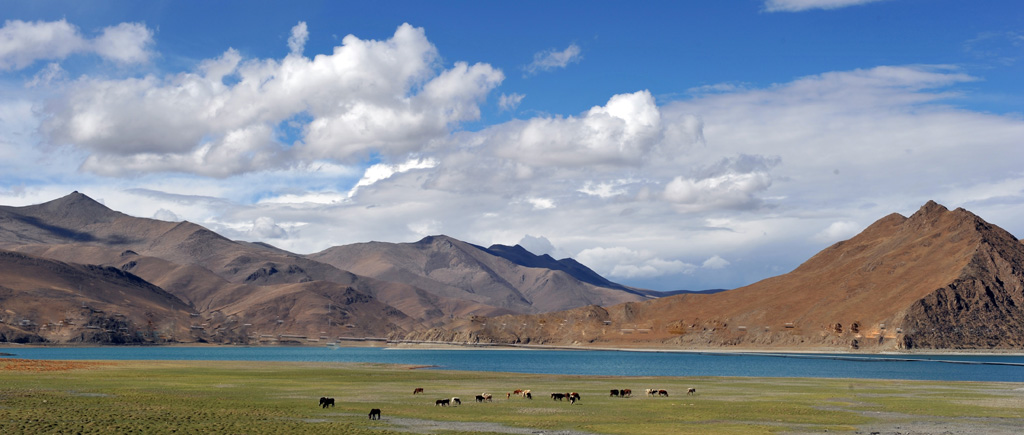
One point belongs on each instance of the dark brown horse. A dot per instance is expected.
(374, 414)
(417, 391)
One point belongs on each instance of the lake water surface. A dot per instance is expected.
(1003, 368)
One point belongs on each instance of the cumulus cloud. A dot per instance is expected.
(510, 101)
(732, 183)
(715, 262)
(622, 132)
(297, 41)
(803, 5)
(552, 59)
(166, 215)
(23, 43)
(836, 231)
(537, 245)
(125, 43)
(623, 262)
(385, 98)
(265, 228)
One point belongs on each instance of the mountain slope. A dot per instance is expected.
(229, 284)
(451, 268)
(938, 279)
(47, 300)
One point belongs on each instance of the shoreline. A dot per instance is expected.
(403, 345)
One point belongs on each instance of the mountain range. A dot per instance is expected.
(72, 270)
(241, 292)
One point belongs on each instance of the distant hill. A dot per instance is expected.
(510, 278)
(242, 292)
(939, 279)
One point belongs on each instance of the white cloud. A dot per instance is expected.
(836, 231)
(48, 75)
(382, 171)
(732, 183)
(607, 189)
(23, 43)
(166, 215)
(622, 262)
(552, 59)
(541, 203)
(537, 245)
(715, 262)
(803, 5)
(384, 98)
(125, 43)
(622, 132)
(265, 228)
(510, 102)
(297, 41)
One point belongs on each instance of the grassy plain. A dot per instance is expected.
(264, 398)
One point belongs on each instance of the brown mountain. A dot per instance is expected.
(939, 279)
(241, 291)
(509, 278)
(46, 300)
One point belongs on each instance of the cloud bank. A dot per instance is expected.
(23, 43)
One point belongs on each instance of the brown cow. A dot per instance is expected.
(417, 391)
(573, 398)
(374, 414)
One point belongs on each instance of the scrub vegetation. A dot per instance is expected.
(271, 397)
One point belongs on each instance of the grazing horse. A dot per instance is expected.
(650, 391)
(625, 393)
(614, 393)
(574, 395)
(557, 396)
(518, 392)
(374, 414)
(528, 395)
(456, 401)
(691, 391)
(326, 401)
(573, 399)
(663, 393)
(417, 391)
(443, 402)
(508, 395)
(479, 397)
(487, 397)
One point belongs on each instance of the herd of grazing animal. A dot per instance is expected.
(573, 397)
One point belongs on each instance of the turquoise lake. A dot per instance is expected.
(1000, 368)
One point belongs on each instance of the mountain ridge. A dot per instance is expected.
(232, 283)
(938, 279)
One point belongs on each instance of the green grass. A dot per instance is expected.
(264, 398)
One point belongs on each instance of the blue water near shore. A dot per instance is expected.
(1000, 368)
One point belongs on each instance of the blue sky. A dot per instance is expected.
(675, 145)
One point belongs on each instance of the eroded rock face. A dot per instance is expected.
(983, 309)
